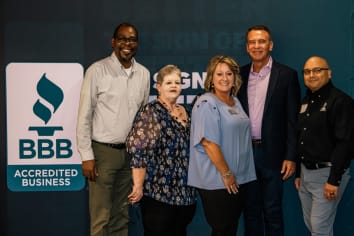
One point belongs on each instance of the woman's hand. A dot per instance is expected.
(136, 194)
(230, 182)
(138, 183)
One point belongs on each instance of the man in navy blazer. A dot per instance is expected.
(270, 95)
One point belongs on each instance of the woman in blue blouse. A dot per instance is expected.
(221, 160)
(159, 146)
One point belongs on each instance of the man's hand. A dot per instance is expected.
(89, 170)
(288, 169)
(330, 191)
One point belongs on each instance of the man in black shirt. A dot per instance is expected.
(324, 147)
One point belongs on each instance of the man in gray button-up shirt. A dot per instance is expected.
(113, 90)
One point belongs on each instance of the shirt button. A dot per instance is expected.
(302, 157)
(312, 101)
(307, 114)
(305, 128)
(302, 142)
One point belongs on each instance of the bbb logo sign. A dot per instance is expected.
(42, 104)
(46, 148)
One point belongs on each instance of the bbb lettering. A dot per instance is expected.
(45, 148)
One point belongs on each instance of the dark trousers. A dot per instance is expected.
(160, 219)
(222, 210)
(109, 211)
(263, 212)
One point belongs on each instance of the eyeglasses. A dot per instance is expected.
(316, 70)
(127, 40)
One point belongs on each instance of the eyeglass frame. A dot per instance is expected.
(127, 40)
(316, 70)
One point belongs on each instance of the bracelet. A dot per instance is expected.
(226, 174)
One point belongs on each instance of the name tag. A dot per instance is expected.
(232, 111)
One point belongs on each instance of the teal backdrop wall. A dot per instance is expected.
(182, 32)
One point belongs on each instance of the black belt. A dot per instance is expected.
(112, 145)
(256, 142)
(316, 165)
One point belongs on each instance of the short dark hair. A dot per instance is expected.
(125, 24)
(259, 27)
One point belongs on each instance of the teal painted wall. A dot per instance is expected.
(182, 32)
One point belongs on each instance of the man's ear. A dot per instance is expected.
(271, 46)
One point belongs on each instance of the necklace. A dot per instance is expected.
(176, 112)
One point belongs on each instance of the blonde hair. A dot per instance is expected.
(214, 61)
(167, 70)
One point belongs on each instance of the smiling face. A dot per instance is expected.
(259, 45)
(223, 79)
(170, 88)
(316, 73)
(125, 44)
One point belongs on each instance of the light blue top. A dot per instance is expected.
(227, 126)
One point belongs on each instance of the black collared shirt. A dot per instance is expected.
(326, 130)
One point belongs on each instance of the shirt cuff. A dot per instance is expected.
(87, 155)
(334, 180)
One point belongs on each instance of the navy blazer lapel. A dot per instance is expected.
(274, 75)
(244, 87)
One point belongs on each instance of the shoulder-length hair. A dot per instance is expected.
(214, 61)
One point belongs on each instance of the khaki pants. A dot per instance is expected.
(108, 202)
